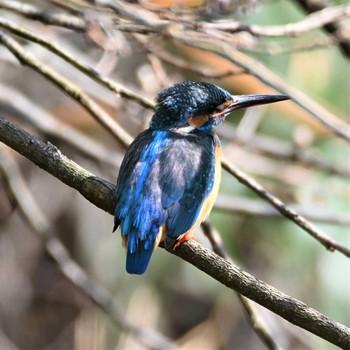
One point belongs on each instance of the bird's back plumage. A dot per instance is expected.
(169, 178)
(165, 178)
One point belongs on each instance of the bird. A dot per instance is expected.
(170, 175)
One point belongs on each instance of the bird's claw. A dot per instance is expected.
(185, 238)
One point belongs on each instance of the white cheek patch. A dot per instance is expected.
(184, 130)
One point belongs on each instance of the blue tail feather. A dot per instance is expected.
(137, 262)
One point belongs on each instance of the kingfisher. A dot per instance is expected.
(170, 176)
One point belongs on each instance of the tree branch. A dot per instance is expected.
(67, 86)
(66, 264)
(74, 61)
(334, 27)
(283, 305)
(12, 102)
(48, 157)
(252, 313)
(183, 33)
(313, 21)
(102, 194)
(36, 14)
(287, 212)
(245, 206)
(224, 50)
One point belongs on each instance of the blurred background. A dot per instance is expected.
(281, 146)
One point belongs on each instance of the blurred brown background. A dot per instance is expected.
(281, 146)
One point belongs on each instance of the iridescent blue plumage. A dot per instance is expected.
(163, 185)
(168, 180)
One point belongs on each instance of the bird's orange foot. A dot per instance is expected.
(183, 239)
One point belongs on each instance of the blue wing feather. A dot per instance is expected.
(186, 181)
(164, 179)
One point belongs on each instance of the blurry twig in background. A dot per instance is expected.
(287, 212)
(69, 268)
(313, 21)
(182, 64)
(335, 28)
(180, 33)
(252, 313)
(205, 42)
(280, 149)
(327, 119)
(89, 71)
(48, 124)
(297, 45)
(32, 12)
(67, 86)
(102, 194)
(245, 206)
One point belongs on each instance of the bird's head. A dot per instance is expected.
(188, 105)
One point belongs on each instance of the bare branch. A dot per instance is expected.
(252, 313)
(289, 308)
(182, 64)
(67, 86)
(18, 104)
(326, 241)
(86, 69)
(102, 194)
(280, 149)
(327, 119)
(314, 21)
(31, 12)
(69, 268)
(247, 206)
(334, 28)
(49, 158)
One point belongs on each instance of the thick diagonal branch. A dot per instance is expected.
(102, 194)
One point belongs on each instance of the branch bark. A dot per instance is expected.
(334, 27)
(68, 87)
(102, 194)
(41, 225)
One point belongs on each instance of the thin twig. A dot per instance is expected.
(182, 64)
(70, 269)
(327, 119)
(46, 17)
(325, 240)
(86, 69)
(67, 86)
(19, 105)
(102, 194)
(319, 42)
(280, 149)
(181, 33)
(335, 28)
(311, 22)
(252, 313)
(246, 206)
(122, 136)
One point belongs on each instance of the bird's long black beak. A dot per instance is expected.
(244, 101)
